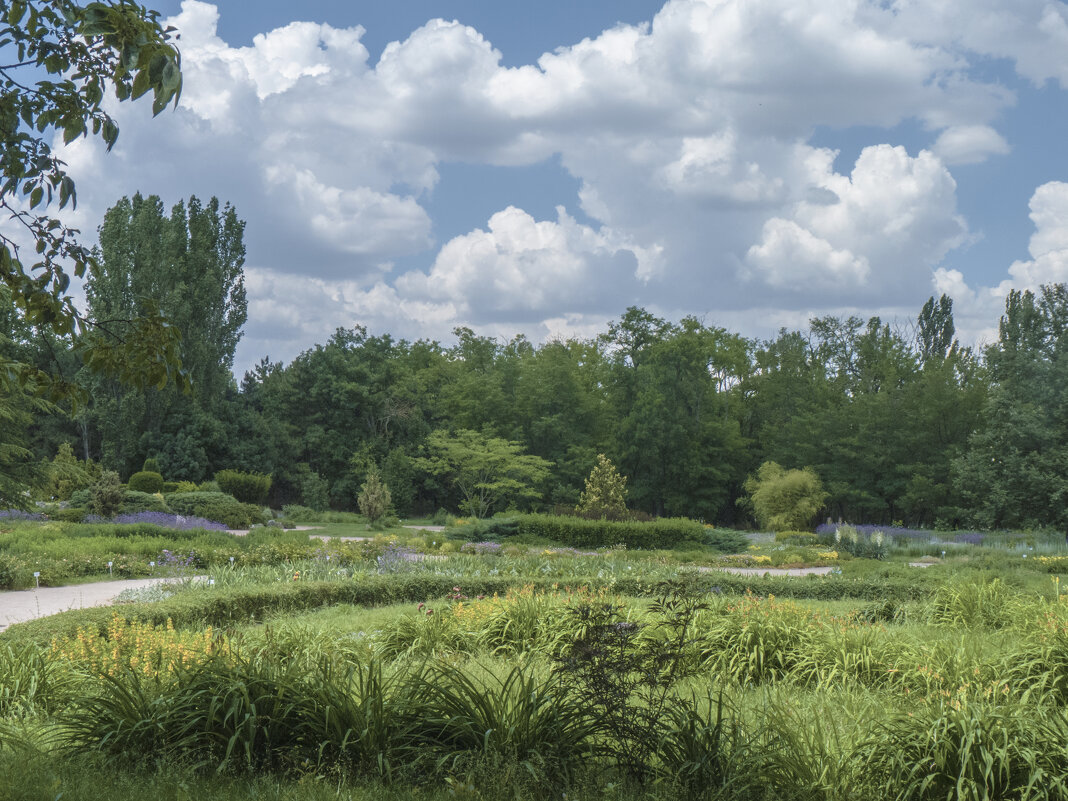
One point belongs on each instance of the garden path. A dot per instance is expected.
(22, 605)
(770, 571)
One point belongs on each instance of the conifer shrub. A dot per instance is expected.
(107, 495)
(605, 495)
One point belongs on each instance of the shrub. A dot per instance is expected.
(374, 498)
(146, 481)
(300, 514)
(134, 502)
(81, 498)
(580, 533)
(796, 537)
(246, 487)
(151, 465)
(71, 515)
(106, 496)
(606, 492)
(785, 499)
(217, 506)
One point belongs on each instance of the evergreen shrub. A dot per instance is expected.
(134, 501)
(146, 481)
(81, 498)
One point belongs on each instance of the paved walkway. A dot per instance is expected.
(23, 605)
(770, 571)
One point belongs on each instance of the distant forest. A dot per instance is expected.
(900, 425)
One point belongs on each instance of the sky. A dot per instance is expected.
(514, 167)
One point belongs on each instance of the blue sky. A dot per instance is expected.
(536, 168)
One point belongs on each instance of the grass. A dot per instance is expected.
(891, 683)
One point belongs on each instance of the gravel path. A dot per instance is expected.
(23, 605)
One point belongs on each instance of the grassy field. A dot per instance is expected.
(411, 666)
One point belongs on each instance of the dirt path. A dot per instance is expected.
(22, 605)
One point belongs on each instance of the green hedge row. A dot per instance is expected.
(662, 533)
(227, 607)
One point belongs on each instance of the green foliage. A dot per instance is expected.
(796, 537)
(314, 491)
(246, 487)
(134, 501)
(71, 57)
(971, 751)
(146, 481)
(107, 495)
(785, 499)
(374, 498)
(67, 475)
(606, 492)
(151, 465)
(187, 266)
(218, 506)
(663, 533)
(487, 471)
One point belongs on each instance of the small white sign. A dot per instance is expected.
(37, 574)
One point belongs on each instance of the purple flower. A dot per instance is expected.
(165, 520)
(18, 514)
(485, 548)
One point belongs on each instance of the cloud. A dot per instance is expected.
(520, 269)
(977, 308)
(874, 232)
(1049, 243)
(689, 135)
(969, 144)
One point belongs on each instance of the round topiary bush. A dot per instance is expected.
(146, 481)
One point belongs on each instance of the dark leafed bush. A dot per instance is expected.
(146, 481)
(106, 495)
(246, 487)
(81, 498)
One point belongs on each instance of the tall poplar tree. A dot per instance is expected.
(187, 266)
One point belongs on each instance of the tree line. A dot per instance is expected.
(899, 424)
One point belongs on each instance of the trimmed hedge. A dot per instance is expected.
(146, 481)
(662, 533)
(246, 487)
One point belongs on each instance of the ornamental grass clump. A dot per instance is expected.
(968, 750)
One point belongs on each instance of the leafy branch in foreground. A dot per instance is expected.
(83, 51)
